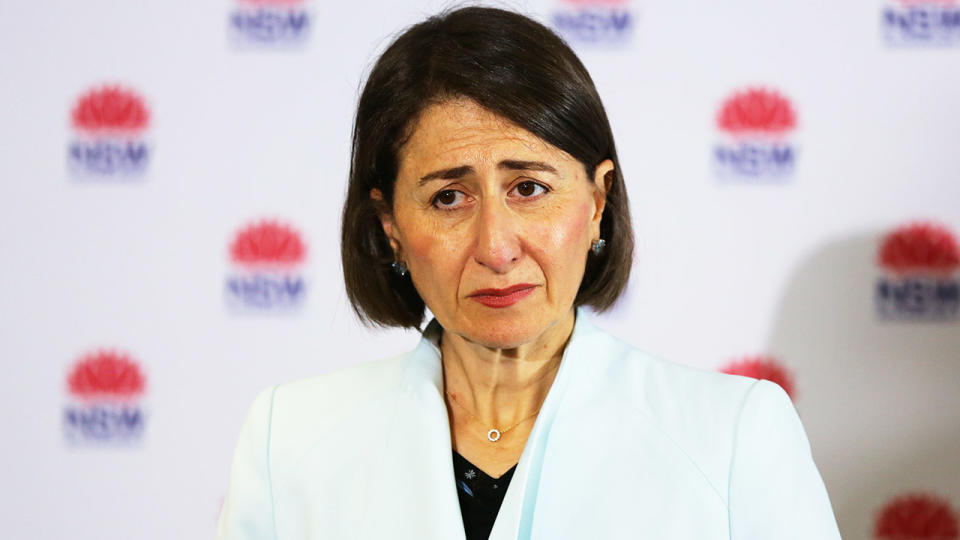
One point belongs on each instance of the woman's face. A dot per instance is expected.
(493, 223)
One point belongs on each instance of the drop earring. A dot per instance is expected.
(399, 268)
(598, 245)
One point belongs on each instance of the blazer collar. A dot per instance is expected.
(425, 370)
(424, 378)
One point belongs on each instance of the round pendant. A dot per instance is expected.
(493, 435)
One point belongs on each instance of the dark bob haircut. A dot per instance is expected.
(512, 66)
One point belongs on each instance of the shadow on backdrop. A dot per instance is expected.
(879, 398)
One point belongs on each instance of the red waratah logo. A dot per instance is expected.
(755, 125)
(105, 388)
(109, 124)
(267, 243)
(763, 367)
(919, 279)
(266, 257)
(106, 374)
(916, 517)
(756, 111)
(110, 109)
(920, 247)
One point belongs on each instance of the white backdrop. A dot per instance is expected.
(219, 116)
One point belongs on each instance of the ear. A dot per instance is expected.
(386, 221)
(602, 180)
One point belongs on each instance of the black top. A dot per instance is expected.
(480, 496)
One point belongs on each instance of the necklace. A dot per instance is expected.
(494, 434)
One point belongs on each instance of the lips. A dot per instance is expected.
(500, 298)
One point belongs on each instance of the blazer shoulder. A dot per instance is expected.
(310, 418)
(660, 386)
(696, 409)
(341, 389)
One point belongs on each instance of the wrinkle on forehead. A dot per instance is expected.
(463, 124)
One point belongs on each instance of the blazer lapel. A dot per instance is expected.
(627, 469)
(432, 460)
(515, 519)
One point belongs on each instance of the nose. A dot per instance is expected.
(497, 242)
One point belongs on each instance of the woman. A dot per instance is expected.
(485, 186)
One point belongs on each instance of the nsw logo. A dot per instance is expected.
(916, 516)
(105, 389)
(755, 127)
(919, 280)
(269, 22)
(109, 125)
(921, 23)
(763, 367)
(594, 21)
(266, 258)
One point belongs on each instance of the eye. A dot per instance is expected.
(529, 189)
(448, 199)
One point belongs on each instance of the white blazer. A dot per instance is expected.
(625, 446)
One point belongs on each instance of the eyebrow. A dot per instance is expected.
(507, 164)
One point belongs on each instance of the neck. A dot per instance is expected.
(503, 386)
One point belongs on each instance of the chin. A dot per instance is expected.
(502, 331)
(501, 341)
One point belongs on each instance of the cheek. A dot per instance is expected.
(431, 249)
(559, 239)
(570, 232)
(420, 247)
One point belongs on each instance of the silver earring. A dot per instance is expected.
(598, 245)
(399, 267)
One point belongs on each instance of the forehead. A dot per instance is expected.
(457, 132)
